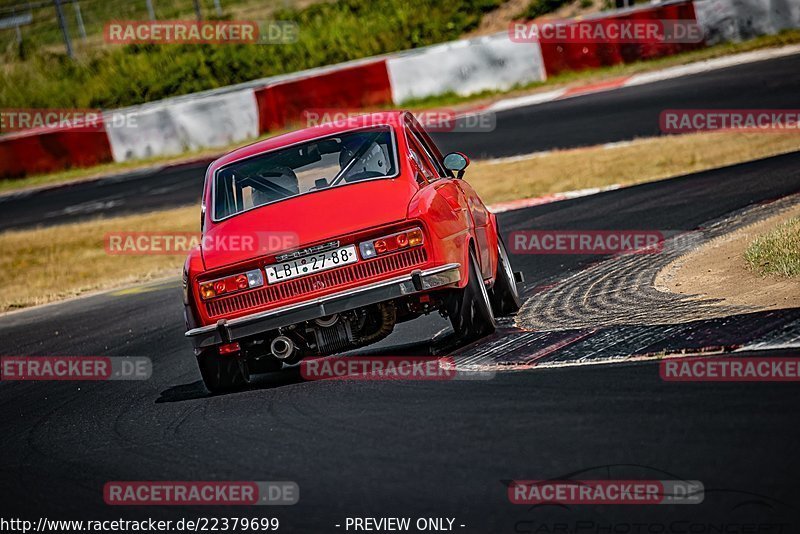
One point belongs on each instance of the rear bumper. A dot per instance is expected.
(249, 325)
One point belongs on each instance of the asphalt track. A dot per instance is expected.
(419, 449)
(592, 119)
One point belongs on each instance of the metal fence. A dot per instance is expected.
(70, 26)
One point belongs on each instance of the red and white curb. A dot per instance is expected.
(511, 205)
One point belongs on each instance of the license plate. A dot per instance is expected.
(323, 261)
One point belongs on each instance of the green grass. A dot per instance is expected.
(117, 76)
(537, 8)
(778, 252)
(329, 33)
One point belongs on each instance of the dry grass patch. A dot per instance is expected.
(641, 161)
(43, 265)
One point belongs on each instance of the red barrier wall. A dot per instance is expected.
(559, 57)
(350, 88)
(27, 153)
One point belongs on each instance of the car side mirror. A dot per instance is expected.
(457, 162)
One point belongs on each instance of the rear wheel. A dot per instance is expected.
(222, 373)
(469, 309)
(505, 295)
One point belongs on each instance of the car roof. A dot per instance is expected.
(337, 125)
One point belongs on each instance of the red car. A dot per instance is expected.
(320, 241)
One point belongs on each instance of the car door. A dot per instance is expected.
(449, 207)
(468, 198)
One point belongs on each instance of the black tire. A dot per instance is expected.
(222, 373)
(505, 295)
(470, 309)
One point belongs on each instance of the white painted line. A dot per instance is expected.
(543, 153)
(617, 144)
(521, 157)
(590, 191)
(610, 360)
(527, 100)
(651, 77)
(769, 346)
(712, 64)
(501, 207)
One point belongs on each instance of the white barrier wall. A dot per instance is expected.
(179, 125)
(735, 20)
(464, 67)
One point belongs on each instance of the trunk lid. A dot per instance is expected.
(306, 219)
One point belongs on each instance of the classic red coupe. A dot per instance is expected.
(320, 241)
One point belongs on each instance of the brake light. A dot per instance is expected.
(230, 348)
(391, 243)
(231, 284)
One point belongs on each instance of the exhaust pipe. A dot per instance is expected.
(281, 347)
(327, 322)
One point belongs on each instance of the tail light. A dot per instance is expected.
(230, 348)
(391, 243)
(231, 284)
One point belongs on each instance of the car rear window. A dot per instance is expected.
(332, 161)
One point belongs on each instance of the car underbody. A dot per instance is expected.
(329, 325)
(336, 333)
